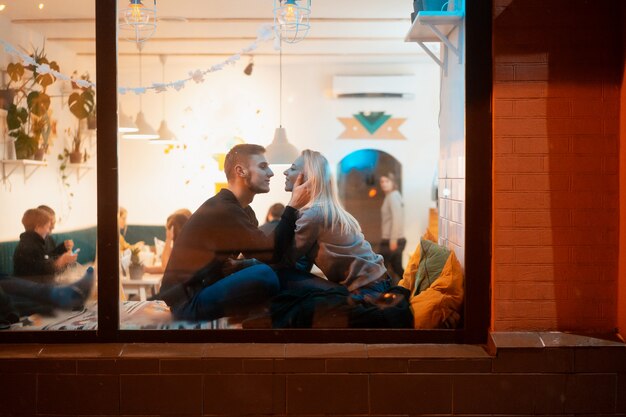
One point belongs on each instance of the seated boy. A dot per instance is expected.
(31, 259)
(52, 249)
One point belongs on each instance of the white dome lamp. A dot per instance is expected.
(280, 151)
(145, 131)
(125, 122)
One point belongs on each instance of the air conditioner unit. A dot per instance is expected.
(374, 86)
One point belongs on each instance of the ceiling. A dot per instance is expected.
(341, 30)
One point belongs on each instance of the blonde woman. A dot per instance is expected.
(173, 226)
(330, 237)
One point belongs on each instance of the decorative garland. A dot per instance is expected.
(264, 33)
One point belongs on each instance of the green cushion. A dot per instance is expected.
(6, 257)
(144, 233)
(85, 239)
(433, 257)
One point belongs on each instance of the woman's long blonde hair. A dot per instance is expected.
(324, 194)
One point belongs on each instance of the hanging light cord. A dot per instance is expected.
(163, 81)
(140, 47)
(280, 66)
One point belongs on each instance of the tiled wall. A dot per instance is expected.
(451, 173)
(528, 374)
(557, 74)
(452, 205)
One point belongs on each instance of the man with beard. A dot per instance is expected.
(215, 268)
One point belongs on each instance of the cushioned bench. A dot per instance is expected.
(86, 240)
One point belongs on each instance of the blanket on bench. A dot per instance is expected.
(134, 315)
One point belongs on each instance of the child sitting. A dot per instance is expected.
(31, 259)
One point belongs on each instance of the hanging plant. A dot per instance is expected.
(82, 104)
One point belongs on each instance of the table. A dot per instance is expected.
(149, 282)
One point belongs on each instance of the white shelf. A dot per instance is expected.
(29, 166)
(430, 26)
(81, 169)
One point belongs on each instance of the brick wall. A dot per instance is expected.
(621, 298)
(557, 75)
(529, 374)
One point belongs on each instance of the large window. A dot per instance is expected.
(48, 161)
(208, 80)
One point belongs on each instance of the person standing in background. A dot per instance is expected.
(392, 238)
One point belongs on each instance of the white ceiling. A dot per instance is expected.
(341, 30)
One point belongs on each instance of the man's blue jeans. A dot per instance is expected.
(236, 294)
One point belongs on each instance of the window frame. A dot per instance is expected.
(478, 214)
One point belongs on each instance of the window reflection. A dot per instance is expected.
(367, 139)
(47, 153)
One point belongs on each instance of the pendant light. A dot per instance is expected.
(280, 151)
(138, 22)
(166, 136)
(125, 122)
(145, 131)
(291, 19)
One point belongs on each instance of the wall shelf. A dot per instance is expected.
(81, 169)
(432, 26)
(29, 166)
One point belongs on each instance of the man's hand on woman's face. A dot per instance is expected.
(301, 193)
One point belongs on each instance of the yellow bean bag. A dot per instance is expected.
(435, 280)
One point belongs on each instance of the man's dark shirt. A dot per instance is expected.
(30, 259)
(219, 229)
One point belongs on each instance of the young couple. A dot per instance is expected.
(223, 265)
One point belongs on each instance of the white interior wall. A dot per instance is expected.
(208, 117)
(44, 186)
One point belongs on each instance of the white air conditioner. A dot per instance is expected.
(374, 86)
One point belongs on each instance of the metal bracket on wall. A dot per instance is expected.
(80, 169)
(430, 26)
(9, 166)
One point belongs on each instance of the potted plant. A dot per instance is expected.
(75, 154)
(82, 104)
(28, 118)
(82, 101)
(135, 268)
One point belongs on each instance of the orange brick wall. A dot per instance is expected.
(557, 75)
(621, 313)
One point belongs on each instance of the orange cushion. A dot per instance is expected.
(439, 305)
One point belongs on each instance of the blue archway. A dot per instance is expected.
(358, 175)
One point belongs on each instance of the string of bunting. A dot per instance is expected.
(264, 33)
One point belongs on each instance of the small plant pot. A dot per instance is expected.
(8, 149)
(39, 153)
(135, 271)
(76, 157)
(92, 123)
(6, 98)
